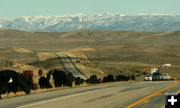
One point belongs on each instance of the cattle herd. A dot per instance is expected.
(11, 81)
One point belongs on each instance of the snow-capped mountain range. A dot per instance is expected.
(140, 22)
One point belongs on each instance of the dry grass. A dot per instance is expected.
(42, 56)
(61, 41)
(100, 52)
(19, 59)
(21, 50)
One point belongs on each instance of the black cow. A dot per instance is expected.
(87, 81)
(111, 78)
(61, 78)
(105, 79)
(69, 79)
(82, 81)
(11, 87)
(44, 83)
(93, 79)
(11, 81)
(122, 78)
(77, 80)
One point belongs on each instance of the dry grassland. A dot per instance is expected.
(100, 52)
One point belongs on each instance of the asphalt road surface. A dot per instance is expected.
(70, 66)
(118, 95)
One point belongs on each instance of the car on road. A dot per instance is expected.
(77, 60)
(165, 76)
(148, 77)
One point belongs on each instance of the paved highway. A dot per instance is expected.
(118, 95)
(70, 66)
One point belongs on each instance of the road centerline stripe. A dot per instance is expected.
(151, 95)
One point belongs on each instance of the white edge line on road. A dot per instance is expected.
(59, 98)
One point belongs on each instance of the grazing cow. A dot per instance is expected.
(44, 83)
(111, 78)
(11, 81)
(93, 79)
(87, 81)
(82, 81)
(11, 87)
(122, 78)
(28, 77)
(69, 79)
(77, 80)
(61, 78)
(105, 79)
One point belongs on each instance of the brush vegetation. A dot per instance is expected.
(100, 52)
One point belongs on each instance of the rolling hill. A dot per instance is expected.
(115, 52)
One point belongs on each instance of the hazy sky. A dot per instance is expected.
(15, 8)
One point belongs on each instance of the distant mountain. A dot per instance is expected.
(146, 23)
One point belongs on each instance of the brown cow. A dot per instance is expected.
(28, 77)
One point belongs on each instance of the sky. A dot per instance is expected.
(17, 8)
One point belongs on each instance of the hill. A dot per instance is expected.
(56, 41)
(101, 52)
